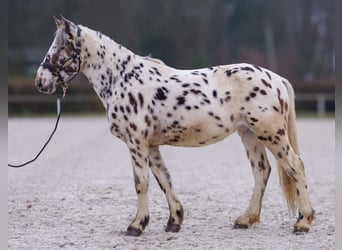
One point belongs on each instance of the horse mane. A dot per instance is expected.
(156, 60)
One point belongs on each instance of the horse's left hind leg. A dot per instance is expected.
(261, 170)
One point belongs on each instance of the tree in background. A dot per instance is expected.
(293, 37)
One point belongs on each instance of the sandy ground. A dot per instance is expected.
(80, 193)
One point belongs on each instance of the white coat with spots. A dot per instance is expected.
(149, 104)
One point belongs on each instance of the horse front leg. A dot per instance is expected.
(163, 178)
(139, 158)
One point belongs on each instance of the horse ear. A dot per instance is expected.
(64, 20)
(58, 22)
(69, 27)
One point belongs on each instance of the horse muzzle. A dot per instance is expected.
(45, 86)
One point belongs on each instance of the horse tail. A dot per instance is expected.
(287, 183)
(291, 123)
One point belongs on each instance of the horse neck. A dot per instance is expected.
(103, 56)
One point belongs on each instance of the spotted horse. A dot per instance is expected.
(149, 104)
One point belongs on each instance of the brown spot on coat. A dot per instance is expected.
(160, 95)
(268, 85)
(133, 102)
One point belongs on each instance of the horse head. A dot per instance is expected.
(62, 61)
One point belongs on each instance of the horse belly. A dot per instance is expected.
(193, 136)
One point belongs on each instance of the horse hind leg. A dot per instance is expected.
(256, 153)
(163, 178)
(293, 170)
(291, 175)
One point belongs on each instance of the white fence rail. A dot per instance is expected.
(321, 100)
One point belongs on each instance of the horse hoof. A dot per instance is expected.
(240, 226)
(131, 231)
(172, 228)
(300, 230)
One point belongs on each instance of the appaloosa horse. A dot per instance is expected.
(149, 104)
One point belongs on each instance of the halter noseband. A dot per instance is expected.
(56, 70)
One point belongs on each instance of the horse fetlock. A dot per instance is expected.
(303, 223)
(175, 219)
(172, 227)
(137, 226)
(245, 220)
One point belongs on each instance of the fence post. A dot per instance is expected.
(321, 105)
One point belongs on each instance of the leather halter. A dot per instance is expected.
(56, 70)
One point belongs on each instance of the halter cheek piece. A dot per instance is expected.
(56, 70)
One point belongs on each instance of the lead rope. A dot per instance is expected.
(65, 88)
(47, 142)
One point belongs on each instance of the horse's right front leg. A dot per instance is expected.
(139, 158)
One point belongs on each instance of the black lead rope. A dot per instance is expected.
(46, 143)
